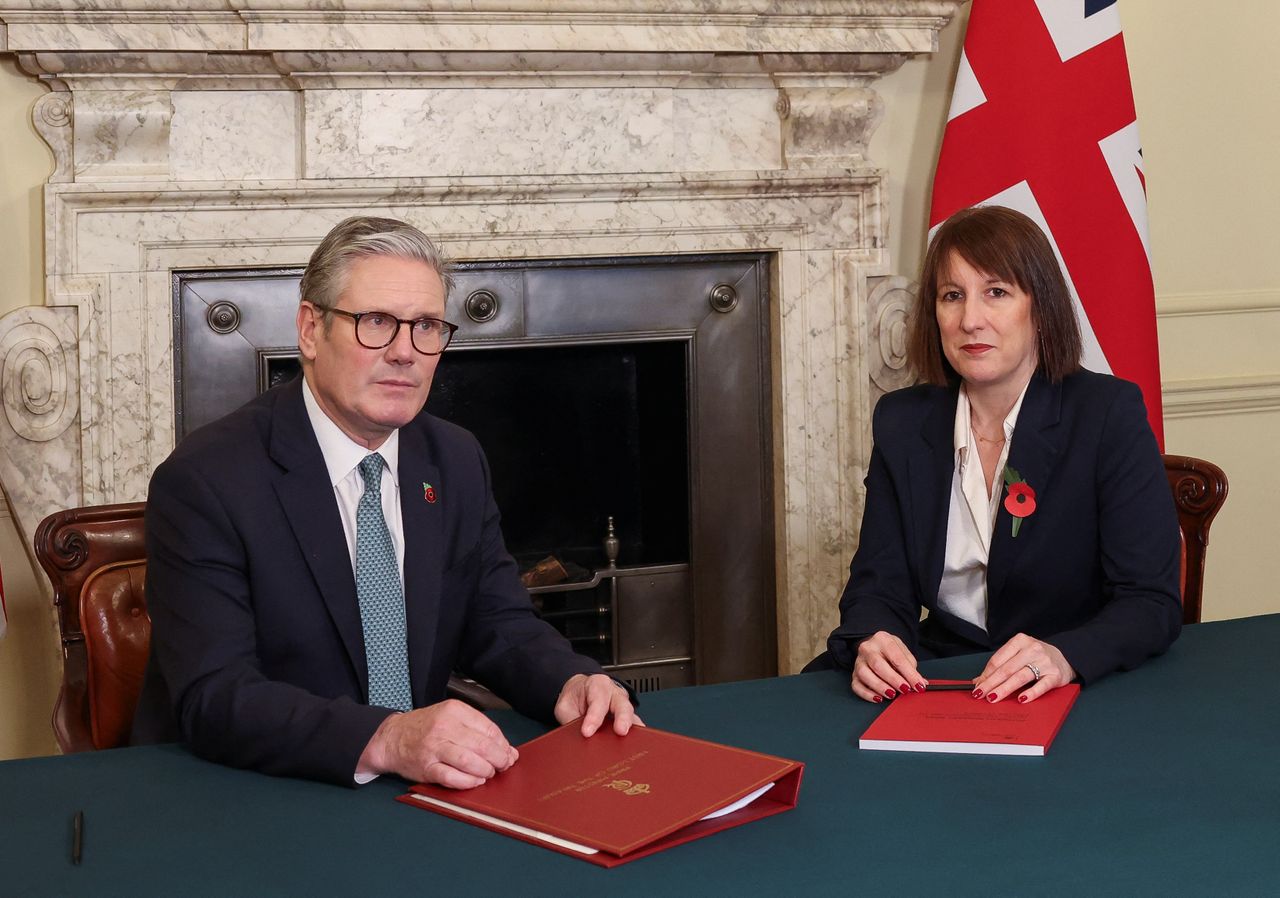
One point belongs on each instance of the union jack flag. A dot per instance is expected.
(1042, 121)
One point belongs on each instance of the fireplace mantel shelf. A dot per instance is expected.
(465, 26)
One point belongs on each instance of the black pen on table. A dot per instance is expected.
(77, 836)
(949, 687)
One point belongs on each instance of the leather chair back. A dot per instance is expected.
(96, 560)
(117, 629)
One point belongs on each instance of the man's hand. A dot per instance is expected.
(449, 743)
(591, 698)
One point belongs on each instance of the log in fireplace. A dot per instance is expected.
(624, 408)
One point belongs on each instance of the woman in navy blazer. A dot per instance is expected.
(1019, 498)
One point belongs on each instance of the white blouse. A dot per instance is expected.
(971, 519)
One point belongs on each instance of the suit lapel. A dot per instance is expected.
(932, 463)
(423, 551)
(307, 498)
(1034, 455)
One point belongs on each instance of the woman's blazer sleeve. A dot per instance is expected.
(1138, 548)
(881, 592)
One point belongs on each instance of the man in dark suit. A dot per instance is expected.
(300, 598)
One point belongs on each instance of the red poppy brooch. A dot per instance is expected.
(428, 492)
(1021, 500)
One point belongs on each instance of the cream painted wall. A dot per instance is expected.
(1206, 97)
(1207, 87)
(30, 664)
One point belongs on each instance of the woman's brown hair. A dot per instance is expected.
(1006, 244)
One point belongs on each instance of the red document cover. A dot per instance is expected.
(611, 799)
(957, 722)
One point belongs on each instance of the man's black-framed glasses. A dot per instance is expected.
(375, 330)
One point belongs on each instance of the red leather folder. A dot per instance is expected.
(611, 799)
(956, 722)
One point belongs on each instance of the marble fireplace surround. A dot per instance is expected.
(235, 134)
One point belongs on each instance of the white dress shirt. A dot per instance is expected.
(342, 456)
(971, 518)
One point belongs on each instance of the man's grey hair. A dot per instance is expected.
(356, 238)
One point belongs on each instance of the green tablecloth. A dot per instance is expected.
(1162, 781)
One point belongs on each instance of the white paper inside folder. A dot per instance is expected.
(565, 843)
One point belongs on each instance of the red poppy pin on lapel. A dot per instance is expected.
(428, 492)
(1021, 501)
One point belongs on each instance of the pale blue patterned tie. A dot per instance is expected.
(381, 596)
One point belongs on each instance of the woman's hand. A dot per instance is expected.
(1015, 665)
(884, 668)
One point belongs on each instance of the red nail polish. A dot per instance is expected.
(889, 693)
(877, 699)
(904, 688)
(992, 697)
(919, 687)
(977, 693)
(1022, 699)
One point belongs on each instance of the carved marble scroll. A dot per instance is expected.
(52, 118)
(40, 385)
(889, 306)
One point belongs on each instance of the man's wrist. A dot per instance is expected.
(373, 761)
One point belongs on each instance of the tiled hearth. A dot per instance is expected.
(216, 135)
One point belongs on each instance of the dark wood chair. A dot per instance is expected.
(96, 560)
(1199, 490)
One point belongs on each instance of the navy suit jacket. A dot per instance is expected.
(1094, 569)
(257, 653)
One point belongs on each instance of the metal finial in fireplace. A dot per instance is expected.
(611, 545)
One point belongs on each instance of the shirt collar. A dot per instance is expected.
(961, 426)
(341, 453)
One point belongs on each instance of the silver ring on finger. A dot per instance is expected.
(1035, 671)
